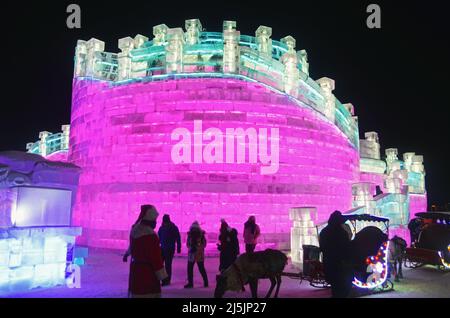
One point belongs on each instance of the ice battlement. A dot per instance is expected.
(395, 174)
(176, 53)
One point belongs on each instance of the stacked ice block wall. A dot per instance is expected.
(34, 257)
(121, 137)
(36, 237)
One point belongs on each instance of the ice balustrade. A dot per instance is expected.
(205, 58)
(50, 143)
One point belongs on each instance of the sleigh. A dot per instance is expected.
(437, 253)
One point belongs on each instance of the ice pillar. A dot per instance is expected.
(124, 59)
(231, 53)
(370, 146)
(159, 33)
(174, 50)
(291, 72)
(303, 231)
(328, 86)
(263, 40)
(302, 57)
(80, 58)
(363, 196)
(193, 30)
(94, 49)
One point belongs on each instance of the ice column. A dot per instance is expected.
(174, 50)
(362, 193)
(350, 108)
(417, 164)
(395, 176)
(328, 85)
(303, 232)
(193, 30)
(65, 137)
(391, 158)
(43, 142)
(231, 53)
(263, 40)
(291, 72)
(408, 158)
(80, 58)
(370, 146)
(139, 69)
(417, 169)
(159, 33)
(94, 49)
(302, 56)
(124, 59)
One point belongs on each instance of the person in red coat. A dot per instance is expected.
(146, 268)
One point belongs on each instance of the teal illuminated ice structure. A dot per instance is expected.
(175, 55)
(36, 237)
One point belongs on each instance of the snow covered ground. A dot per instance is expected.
(106, 276)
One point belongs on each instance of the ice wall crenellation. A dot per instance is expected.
(401, 183)
(175, 53)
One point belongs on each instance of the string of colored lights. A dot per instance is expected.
(444, 263)
(379, 266)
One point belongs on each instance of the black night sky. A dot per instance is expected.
(397, 77)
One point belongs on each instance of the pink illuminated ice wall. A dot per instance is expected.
(121, 135)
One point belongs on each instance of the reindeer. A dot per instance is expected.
(248, 269)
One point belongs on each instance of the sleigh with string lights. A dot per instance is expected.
(369, 252)
(432, 245)
(369, 248)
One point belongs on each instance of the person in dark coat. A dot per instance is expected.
(251, 234)
(196, 243)
(334, 243)
(228, 245)
(169, 236)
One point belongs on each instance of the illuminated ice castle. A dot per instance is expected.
(133, 111)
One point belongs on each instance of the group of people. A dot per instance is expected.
(152, 253)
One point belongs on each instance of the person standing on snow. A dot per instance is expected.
(169, 235)
(146, 267)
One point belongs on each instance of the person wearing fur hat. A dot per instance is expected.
(146, 268)
(196, 243)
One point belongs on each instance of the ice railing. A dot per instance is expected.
(50, 143)
(194, 53)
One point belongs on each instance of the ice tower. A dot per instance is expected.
(126, 107)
